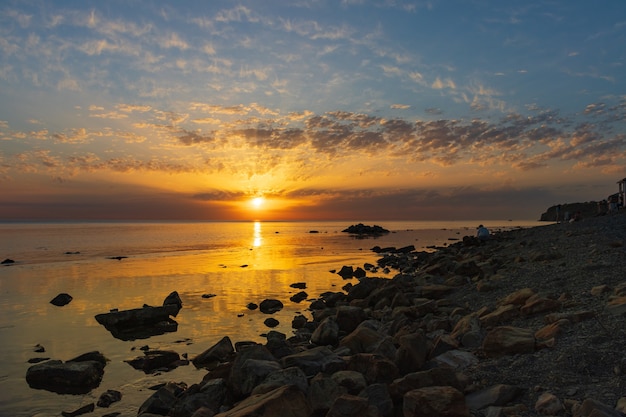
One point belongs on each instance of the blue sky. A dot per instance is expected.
(349, 109)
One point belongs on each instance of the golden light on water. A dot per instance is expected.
(258, 240)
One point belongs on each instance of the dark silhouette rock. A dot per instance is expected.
(270, 306)
(301, 296)
(61, 300)
(109, 397)
(77, 376)
(142, 323)
(7, 262)
(155, 360)
(363, 230)
(219, 352)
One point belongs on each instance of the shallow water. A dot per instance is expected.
(238, 262)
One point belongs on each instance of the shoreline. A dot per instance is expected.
(394, 333)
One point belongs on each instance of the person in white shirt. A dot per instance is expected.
(482, 233)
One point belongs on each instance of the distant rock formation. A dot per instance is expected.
(567, 211)
(363, 230)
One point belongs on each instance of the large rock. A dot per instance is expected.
(276, 379)
(286, 401)
(435, 401)
(509, 340)
(77, 376)
(140, 323)
(312, 361)
(162, 400)
(327, 333)
(412, 352)
(441, 376)
(61, 300)
(154, 360)
(250, 367)
(497, 395)
(270, 306)
(219, 352)
(323, 390)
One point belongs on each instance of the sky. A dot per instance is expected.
(309, 109)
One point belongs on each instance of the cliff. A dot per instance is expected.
(586, 210)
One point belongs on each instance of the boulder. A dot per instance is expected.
(346, 272)
(435, 401)
(349, 317)
(327, 333)
(354, 382)
(299, 297)
(173, 299)
(109, 397)
(497, 395)
(219, 352)
(413, 352)
(377, 395)
(162, 400)
(323, 390)
(71, 377)
(61, 300)
(347, 405)
(140, 323)
(286, 401)
(276, 379)
(270, 306)
(314, 360)
(155, 360)
(508, 340)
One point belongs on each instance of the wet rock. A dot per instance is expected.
(7, 261)
(109, 397)
(140, 323)
(155, 360)
(271, 322)
(412, 352)
(71, 377)
(299, 297)
(250, 367)
(162, 400)
(270, 306)
(219, 352)
(61, 300)
(298, 285)
(346, 272)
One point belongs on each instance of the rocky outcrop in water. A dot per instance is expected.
(142, 323)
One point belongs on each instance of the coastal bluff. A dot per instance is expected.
(527, 323)
(586, 210)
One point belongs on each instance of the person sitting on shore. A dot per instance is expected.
(482, 233)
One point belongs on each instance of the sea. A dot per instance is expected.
(217, 268)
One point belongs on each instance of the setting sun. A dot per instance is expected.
(257, 202)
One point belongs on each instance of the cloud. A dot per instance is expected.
(440, 84)
(173, 40)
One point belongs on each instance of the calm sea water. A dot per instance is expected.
(240, 263)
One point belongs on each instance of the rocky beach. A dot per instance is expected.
(527, 323)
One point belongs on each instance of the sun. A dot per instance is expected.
(257, 202)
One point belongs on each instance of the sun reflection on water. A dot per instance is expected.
(258, 240)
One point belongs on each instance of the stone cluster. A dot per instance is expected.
(529, 323)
